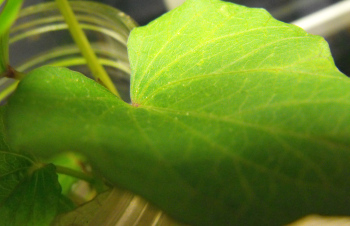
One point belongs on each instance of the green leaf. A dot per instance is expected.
(3, 144)
(236, 118)
(28, 195)
(13, 169)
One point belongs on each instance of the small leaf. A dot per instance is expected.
(28, 198)
(236, 118)
(13, 169)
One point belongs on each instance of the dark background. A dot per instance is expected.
(144, 11)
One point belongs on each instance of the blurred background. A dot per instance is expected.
(336, 30)
(328, 18)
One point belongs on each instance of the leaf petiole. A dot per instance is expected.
(74, 173)
(8, 90)
(81, 40)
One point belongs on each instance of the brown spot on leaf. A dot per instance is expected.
(135, 105)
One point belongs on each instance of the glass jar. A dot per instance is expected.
(40, 37)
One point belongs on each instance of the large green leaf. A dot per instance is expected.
(236, 118)
(28, 195)
(3, 144)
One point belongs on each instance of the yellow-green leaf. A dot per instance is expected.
(236, 118)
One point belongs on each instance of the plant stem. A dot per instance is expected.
(12, 73)
(74, 173)
(9, 14)
(8, 90)
(81, 40)
(4, 51)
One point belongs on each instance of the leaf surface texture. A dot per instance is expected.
(236, 118)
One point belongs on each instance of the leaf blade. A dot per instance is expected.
(218, 145)
(27, 198)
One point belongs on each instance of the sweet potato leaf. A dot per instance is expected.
(26, 197)
(236, 118)
(3, 144)
(25, 204)
(13, 169)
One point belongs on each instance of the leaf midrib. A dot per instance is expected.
(165, 45)
(230, 73)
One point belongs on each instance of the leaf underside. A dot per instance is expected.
(236, 118)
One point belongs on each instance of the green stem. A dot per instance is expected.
(9, 14)
(81, 40)
(8, 90)
(4, 51)
(74, 173)
(12, 73)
